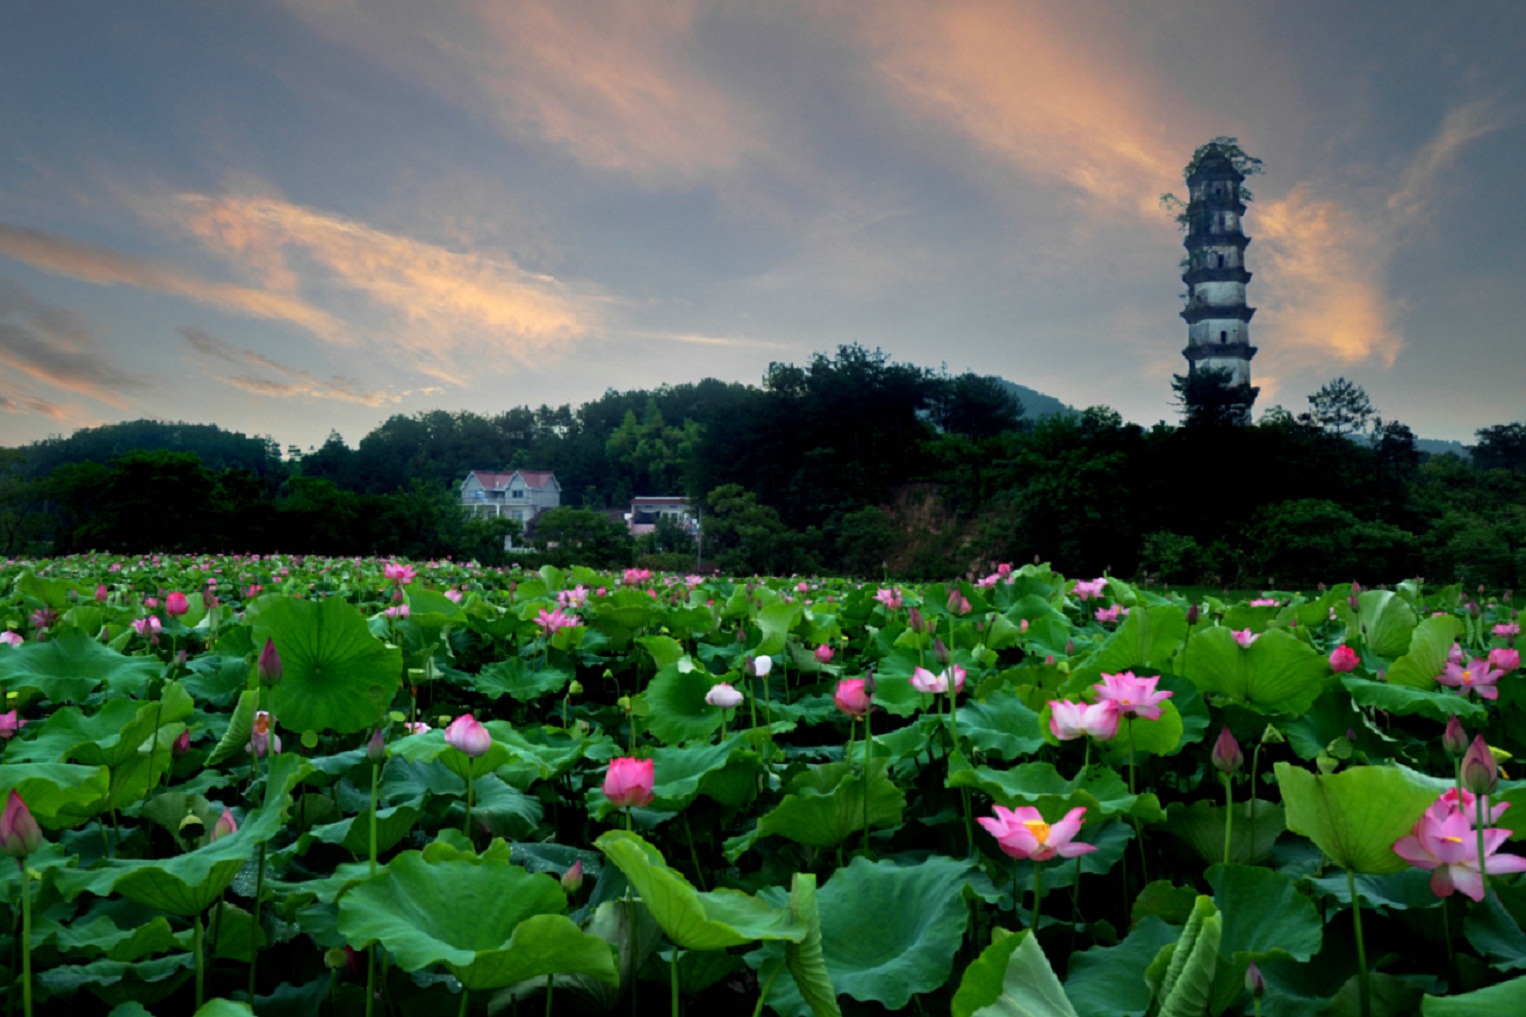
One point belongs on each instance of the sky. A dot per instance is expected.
(292, 218)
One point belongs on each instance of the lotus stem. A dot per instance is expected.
(699, 871)
(1483, 871)
(466, 827)
(1038, 895)
(1229, 813)
(1144, 866)
(1361, 950)
(868, 760)
(254, 948)
(199, 948)
(550, 986)
(26, 939)
(465, 997)
(758, 1010)
(673, 979)
(375, 782)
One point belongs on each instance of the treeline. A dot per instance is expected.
(851, 463)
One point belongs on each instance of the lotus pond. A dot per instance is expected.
(344, 786)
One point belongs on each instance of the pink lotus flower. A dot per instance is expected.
(10, 638)
(1068, 721)
(414, 727)
(467, 735)
(629, 782)
(926, 682)
(10, 725)
(1265, 602)
(1508, 630)
(723, 695)
(175, 605)
(852, 697)
(399, 573)
(182, 743)
(1022, 833)
(1106, 615)
(958, 603)
(19, 833)
(149, 627)
(224, 826)
(1343, 658)
(552, 621)
(1245, 637)
(397, 611)
(1135, 696)
(824, 654)
(263, 740)
(1505, 658)
(573, 598)
(1086, 590)
(1476, 676)
(454, 596)
(101, 593)
(1445, 843)
(1455, 655)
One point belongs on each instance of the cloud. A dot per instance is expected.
(614, 84)
(1046, 97)
(713, 340)
(1459, 127)
(107, 267)
(58, 348)
(261, 375)
(452, 313)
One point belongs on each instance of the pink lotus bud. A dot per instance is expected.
(723, 695)
(101, 593)
(376, 747)
(1454, 739)
(1343, 658)
(824, 653)
(1480, 774)
(467, 735)
(223, 827)
(940, 652)
(1192, 615)
(915, 621)
(150, 602)
(572, 879)
(629, 782)
(761, 666)
(1505, 658)
(1255, 984)
(852, 697)
(175, 605)
(19, 833)
(270, 664)
(182, 743)
(1226, 755)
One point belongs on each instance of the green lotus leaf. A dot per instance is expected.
(1356, 815)
(1263, 914)
(1159, 737)
(1507, 999)
(223, 1008)
(146, 981)
(1001, 724)
(694, 920)
(1011, 978)
(336, 676)
(1387, 622)
(1100, 790)
(59, 795)
(681, 772)
(676, 707)
(1404, 700)
(1278, 673)
(70, 666)
(240, 730)
(824, 805)
(1146, 639)
(1108, 981)
(354, 833)
(665, 650)
(415, 908)
(1427, 656)
(775, 620)
(1252, 834)
(806, 962)
(519, 680)
(1493, 932)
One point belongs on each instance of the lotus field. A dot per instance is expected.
(367, 787)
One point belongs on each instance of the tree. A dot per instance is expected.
(1501, 447)
(1207, 398)
(1229, 148)
(975, 406)
(1340, 407)
(574, 536)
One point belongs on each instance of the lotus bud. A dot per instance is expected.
(572, 879)
(824, 654)
(224, 826)
(467, 735)
(1226, 756)
(334, 958)
(101, 593)
(1454, 739)
(1480, 773)
(182, 743)
(1070, 647)
(175, 605)
(19, 832)
(1192, 615)
(1273, 736)
(270, 663)
(761, 666)
(940, 652)
(376, 748)
(575, 688)
(1255, 984)
(869, 682)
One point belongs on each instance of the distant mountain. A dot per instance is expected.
(1441, 447)
(1036, 404)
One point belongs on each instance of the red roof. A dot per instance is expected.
(494, 480)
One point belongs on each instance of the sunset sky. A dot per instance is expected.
(287, 218)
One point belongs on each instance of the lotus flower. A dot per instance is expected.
(148, 627)
(629, 782)
(824, 654)
(467, 735)
(723, 695)
(890, 598)
(761, 666)
(1245, 637)
(551, 621)
(175, 605)
(1505, 658)
(950, 680)
(1022, 833)
(1480, 773)
(1086, 590)
(1343, 659)
(1475, 676)
(1135, 696)
(10, 638)
(10, 725)
(1445, 843)
(19, 833)
(224, 826)
(1068, 721)
(1106, 615)
(399, 573)
(263, 740)
(852, 697)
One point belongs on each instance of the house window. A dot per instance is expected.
(1223, 337)
(1221, 261)
(519, 494)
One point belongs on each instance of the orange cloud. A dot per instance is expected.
(59, 348)
(106, 267)
(451, 306)
(612, 83)
(1323, 269)
(1459, 127)
(287, 381)
(1019, 81)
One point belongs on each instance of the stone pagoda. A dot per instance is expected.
(1218, 321)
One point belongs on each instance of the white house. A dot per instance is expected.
(515, 494)
(646, 510)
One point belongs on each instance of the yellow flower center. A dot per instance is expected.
(1467, 677)
(1126, 702)
(1453, 840)
(1039, 829)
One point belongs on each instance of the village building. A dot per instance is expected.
(511, 494)
(646, 510)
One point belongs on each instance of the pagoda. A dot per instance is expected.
(1218, 321)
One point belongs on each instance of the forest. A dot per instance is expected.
(851, 464)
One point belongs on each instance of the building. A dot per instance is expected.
(646, 510)
(512, 494)
(1218, 320)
